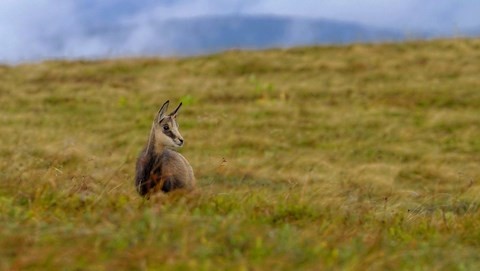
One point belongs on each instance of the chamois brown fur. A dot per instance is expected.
(159, 167)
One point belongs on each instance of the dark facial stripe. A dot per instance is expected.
(170, 134)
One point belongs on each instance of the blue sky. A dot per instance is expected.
(32, 29)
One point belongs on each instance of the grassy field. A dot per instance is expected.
(361, 157)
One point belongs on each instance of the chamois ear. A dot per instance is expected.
(174, 113)
(161, 112)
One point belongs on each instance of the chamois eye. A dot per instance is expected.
(165, 127)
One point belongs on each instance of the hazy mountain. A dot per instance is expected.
(472, 32)
(216, 33)
(200, 35)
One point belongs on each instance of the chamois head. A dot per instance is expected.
(165, 128)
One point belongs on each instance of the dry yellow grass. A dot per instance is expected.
(355, 157)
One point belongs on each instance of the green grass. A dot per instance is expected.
(361, 157)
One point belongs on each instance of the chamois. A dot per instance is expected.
(159, 167)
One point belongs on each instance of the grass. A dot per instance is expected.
(343, 158)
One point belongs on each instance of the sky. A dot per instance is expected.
(42, 29)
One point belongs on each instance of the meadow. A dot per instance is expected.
(358, 157)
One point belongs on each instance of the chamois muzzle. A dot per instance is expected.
(179, 142)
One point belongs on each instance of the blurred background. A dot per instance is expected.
(69, 29)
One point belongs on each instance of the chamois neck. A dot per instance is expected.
(154, 146)
(159, 148)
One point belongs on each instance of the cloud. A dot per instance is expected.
(42, 29)
(30, 28)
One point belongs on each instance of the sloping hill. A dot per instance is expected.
(354, 157)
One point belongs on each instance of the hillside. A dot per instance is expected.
(334, 157)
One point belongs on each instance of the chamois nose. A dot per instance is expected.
(181, 140)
